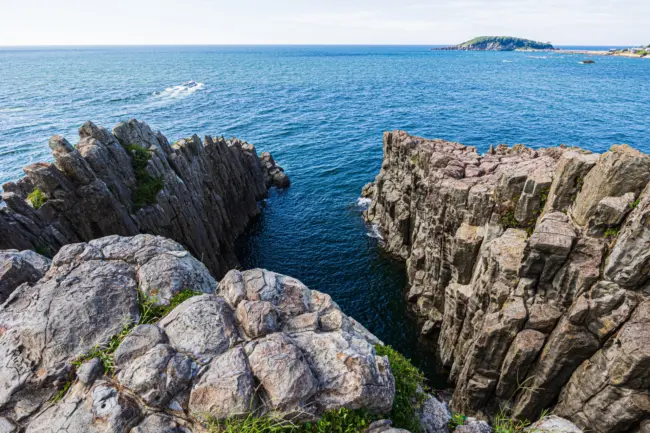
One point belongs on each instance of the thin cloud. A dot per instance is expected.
(363, 20)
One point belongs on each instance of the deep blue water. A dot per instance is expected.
(321, 111)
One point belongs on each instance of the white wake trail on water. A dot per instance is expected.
(180, 91)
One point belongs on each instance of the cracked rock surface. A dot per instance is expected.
(534, 265)
(201, 360)
(208, 196)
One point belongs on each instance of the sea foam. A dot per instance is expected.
(180, 91)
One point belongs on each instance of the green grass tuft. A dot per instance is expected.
(504, 424)
(150, 313)
(340, 421)
(61, 392)
(250, 424)
(409, 394)
(36, 198)
(612, 232)
(457, 419)
(147, 186)
(410, 390)
(335, 421)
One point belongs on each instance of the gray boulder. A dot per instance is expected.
(434, 416)
(472, 425)
(103, 409)
(157, 423)
(158, 375)
(18, 267)
(553, 424)
(203, 326)
(226, 388)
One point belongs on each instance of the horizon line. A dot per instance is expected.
(270, 45)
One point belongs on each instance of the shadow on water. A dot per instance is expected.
(343, 261)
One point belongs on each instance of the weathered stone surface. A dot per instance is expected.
(609, 392)
(349, 372)
(580, 271)
(7, 426)
(610, 213)
(257, 318)
(434, 416)
(226, 389)
(548, 247)
(629, 260)
(209, 195)
(553, 424)
(617, 172)
(384, 426)
(192, 364)
(472, 425)
(568, 178)
(167, 274)
(281, 368)
(59, 318)
(593, 318)
(89, 371)
(203, 326)
(543, 317)
(521, 355)
(157, 423)
(18, 267)
(158, 375)
(521, 294)
(103, 409)
(273, 174)
(139, 341)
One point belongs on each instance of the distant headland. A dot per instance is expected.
(499, 43)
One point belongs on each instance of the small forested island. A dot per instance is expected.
(499, 43)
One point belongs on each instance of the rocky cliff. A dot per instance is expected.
(83, 350)
(535, 268)
(133, 180)
(133, 335)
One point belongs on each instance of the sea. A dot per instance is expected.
(321, 111)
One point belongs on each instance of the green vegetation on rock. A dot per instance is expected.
(409, 389)
(147, 186)
(36, 198)
(409, 395)
(150, 312)
(457, 419)
(504, 43)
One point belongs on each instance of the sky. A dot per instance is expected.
(409, 22)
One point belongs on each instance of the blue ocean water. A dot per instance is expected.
(321, 110)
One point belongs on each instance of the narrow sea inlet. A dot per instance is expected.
(322, 111)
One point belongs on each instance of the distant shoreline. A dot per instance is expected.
(603, 53)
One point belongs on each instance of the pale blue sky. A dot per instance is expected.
(118, 22)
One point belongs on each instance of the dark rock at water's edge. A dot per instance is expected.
(498, 43)
(534, 265)
(133, 180)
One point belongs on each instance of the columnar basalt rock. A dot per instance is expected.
(201, 194)
(534, 265)
(210, 357)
